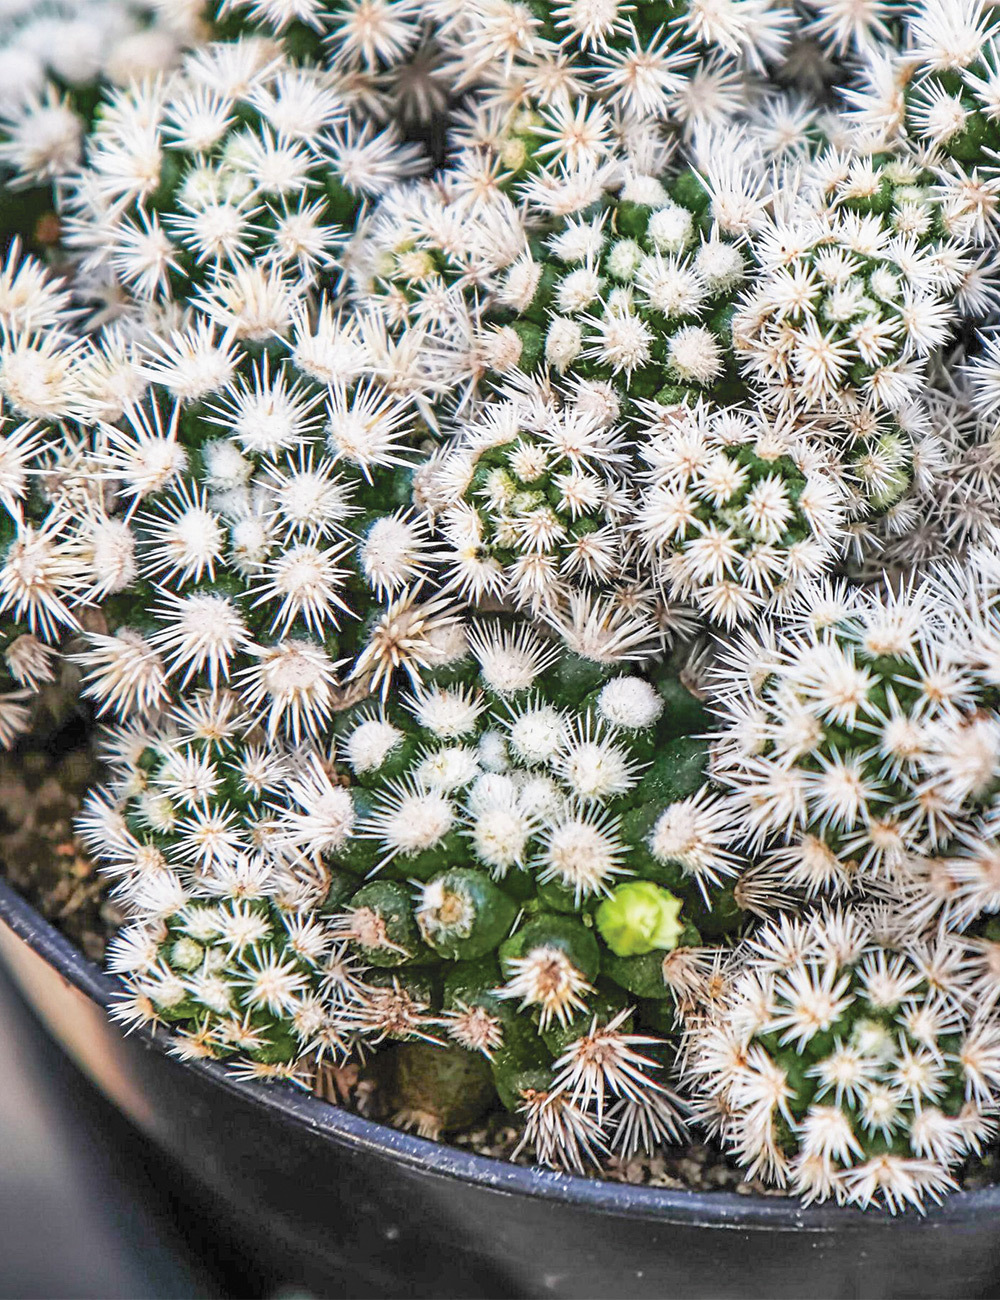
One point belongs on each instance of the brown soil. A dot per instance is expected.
(39, 854)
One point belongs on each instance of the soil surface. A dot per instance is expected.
(40, 795)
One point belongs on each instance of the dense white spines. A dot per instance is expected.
(403, 521)
(253, 209)
(736, 513)
(842, 1069)
(534, 503)
(861, 747)
(847, 290)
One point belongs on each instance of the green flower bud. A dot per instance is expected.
(638, 918)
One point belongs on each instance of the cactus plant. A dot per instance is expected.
(843, 1068)
(535, 840)
(216, 180)
(516, 487)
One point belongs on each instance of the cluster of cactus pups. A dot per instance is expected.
(518, 495)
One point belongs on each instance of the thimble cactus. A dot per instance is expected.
(853, 295)
(639, 63)
(841, 1068)
(215, 182)
(533, 503)
(260, 535)
(861, 746)
(229, 944)
(631, 298)
(537, 833)
(55, 60)
(938, 92)
(513, 489)
(237, 976)
(822, 740)
(735, 513)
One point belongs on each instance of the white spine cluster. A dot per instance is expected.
(736, 513)
(851, 302)
(840, 1068)
(227, 180)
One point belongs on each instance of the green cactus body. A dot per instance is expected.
(633, 296)
(877, 287)
(522, 841)
(865, 1077)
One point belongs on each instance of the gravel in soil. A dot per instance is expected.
(40, 795)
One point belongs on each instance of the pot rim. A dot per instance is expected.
(333, 1123)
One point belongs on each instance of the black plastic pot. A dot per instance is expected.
(348, 1207)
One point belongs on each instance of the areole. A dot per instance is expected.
(344, 1205)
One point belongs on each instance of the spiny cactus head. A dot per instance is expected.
(240, 978)
(937, 94)
(736, 511)
(541, 842)
(230, 181)
(633, 294)
(639, 66)
(851, 742)
(853, 296)
(847, 1070)
(534, 503)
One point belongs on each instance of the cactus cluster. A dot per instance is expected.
(217, 181)
(860, 742)
(848, 310)
(514, 489)
(843, 1068)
